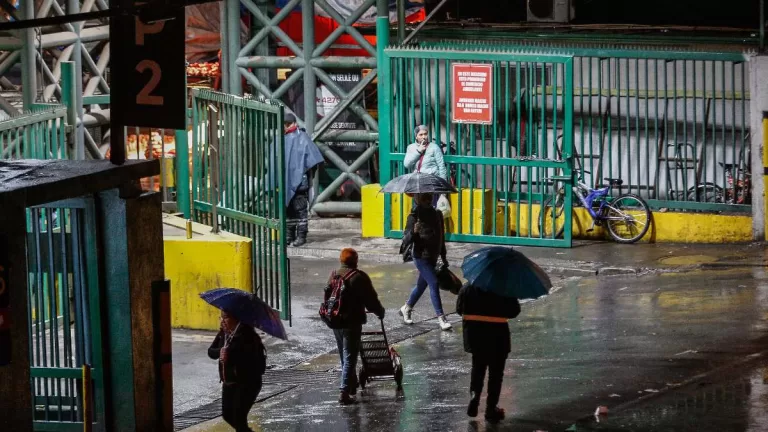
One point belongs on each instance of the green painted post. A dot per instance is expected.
(69, 99)
(28, 58)
(385, 106)
(182, 173)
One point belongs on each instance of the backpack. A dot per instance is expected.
(332, 308)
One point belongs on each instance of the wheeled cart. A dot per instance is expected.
(379, 360)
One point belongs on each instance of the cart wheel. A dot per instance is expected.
(362, 378)
(399, 377)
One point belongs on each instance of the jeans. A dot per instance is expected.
(427, 277)
(495, 366)
(236, 402)
(348, 342)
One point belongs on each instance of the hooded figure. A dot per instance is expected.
(301, 157)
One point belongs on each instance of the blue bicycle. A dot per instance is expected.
(627, 216)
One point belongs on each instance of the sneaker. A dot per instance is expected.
(345, 399)
(474, 403)
(405, 312)
(301, 241)
(494, 414)
(444, 324)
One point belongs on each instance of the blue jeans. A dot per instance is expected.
(348, 342)
(427, 277)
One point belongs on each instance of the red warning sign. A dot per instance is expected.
(472, 100)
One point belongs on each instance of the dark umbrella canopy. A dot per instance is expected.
(418, 183)
(506, 272)
(246, 308)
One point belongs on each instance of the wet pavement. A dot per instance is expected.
(639, 345)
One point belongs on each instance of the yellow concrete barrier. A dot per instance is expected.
(667, 227)
(204, 262)
(471, 215)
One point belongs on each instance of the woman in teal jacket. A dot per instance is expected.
(425, 157)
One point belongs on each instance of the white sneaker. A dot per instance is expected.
(444, 324)
(405, 312)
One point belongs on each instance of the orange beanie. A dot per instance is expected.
(348, 257)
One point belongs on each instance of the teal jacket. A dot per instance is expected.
(433, 162)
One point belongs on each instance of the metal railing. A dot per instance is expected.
(672, 124)
(37, 134)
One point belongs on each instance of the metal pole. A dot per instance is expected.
(213, 136)
(87, 405)
(73, 7)
(382, 40)
(310, 80)
(423, 23)
(223, 34)
(400, 20)
(182, 173)
(233, 46)
(28, 58)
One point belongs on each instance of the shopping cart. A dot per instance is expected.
(379, 360)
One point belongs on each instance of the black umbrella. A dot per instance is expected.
(418, 183)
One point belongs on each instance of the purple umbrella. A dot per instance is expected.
(248, 309)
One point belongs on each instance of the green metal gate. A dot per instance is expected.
(237, 150)
(504, 170)
(65, 316)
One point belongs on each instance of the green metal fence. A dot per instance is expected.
(40, 134)
(503, 170)
(65, 317)
(671, 123)
(238, 182)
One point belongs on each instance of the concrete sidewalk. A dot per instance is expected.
(585, 258)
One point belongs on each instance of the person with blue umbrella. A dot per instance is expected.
(240, 352)
(497, 277)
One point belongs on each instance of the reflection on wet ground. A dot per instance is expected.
(606, 341)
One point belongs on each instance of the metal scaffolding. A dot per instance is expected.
(42, 53)
(253, 62)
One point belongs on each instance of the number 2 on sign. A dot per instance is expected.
(145, 96)
(2, 280)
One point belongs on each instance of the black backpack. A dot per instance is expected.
(332, 310)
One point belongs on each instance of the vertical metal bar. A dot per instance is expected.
(215, 177)
(638, 151)
(609, 127)
(310, 80)
(684, 155)
(233, 46)
(53, 310)
(724, 127)
(517, 171)
(568, 148)
(28, 58)
(734, 160)
(384, 90)
(400, 20)
(744, 119)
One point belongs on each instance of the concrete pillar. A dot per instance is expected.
(758, 89)
(15, 388)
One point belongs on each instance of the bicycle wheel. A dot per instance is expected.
(553, 208)
(628, 218)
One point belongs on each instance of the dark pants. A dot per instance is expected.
(495, 365)
(236, 402)
(427, 277)
(297, 216)
(348, 342)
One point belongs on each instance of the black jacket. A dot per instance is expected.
(243, 354)
(429, 242)
(486, 338)
(358, 296)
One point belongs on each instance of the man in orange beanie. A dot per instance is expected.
(357, 296)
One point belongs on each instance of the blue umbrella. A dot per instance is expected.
(246, 308)
(506, 272)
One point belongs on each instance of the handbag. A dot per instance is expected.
(447, 281)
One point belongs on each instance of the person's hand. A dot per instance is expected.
(224, 354)
(445, 263)
(422, 146)
(381, 315)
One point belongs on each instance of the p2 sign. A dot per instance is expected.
(148, 75)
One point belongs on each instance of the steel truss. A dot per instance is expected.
(308, 65)
(43, 53)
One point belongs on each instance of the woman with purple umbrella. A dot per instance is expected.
(240, 351)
